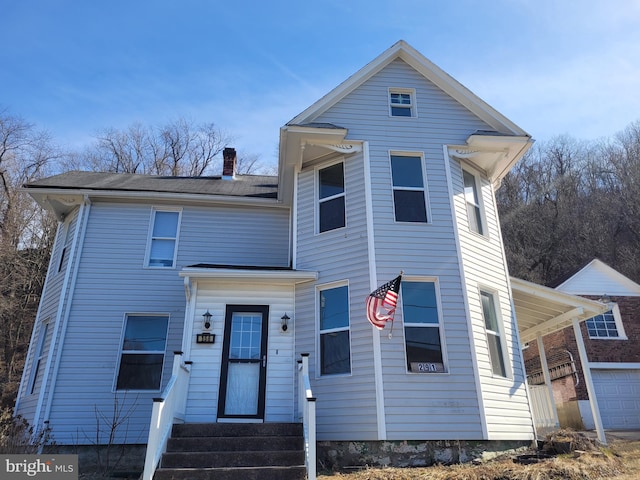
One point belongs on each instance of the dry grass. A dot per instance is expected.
(586, 461)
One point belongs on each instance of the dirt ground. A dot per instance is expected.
(584, 460)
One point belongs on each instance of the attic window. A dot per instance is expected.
(401, 102)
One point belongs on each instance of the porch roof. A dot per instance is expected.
(542, 310)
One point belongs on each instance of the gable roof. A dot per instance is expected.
(426, 68)
(598, 278)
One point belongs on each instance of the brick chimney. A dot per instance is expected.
(229, 160)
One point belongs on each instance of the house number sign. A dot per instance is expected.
(422, 367)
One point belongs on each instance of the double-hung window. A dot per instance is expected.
(401, 102)
(142, 354)
(335, 345)
(37, 364)
(331, 198)
(409, 196)
(607, 326)
(164, 237)
(422, 327)
(472, 199)
(492, 327)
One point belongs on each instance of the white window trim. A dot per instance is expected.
(150, 237)
(318, 200)
(443, 342)
(66, 226)
(37, 363)
(412, 107)
(121, 351)
(425, 189)
(480, 205)
(320, 288)
(495, 295)
(615, 309)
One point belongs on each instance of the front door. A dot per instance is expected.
(244, 362)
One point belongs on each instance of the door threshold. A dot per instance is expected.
(240, 420)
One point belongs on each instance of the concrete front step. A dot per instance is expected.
(233, 444)
(232, 459)
(235, 429)
(229, 451)
(235, 473)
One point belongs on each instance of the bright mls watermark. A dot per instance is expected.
(50, 467)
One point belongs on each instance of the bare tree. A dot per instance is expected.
(26, 235)
(179, 148)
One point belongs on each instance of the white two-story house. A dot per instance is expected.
(392, 171)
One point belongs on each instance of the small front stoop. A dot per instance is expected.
(230, 451)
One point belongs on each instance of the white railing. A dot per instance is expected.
(307, 409)
(166, 410)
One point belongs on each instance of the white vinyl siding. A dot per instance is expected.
(112, 281)
(417, 407)
(504, 399)
(347, 410)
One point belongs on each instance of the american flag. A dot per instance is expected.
(381, 303)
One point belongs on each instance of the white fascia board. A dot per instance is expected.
(153, 196)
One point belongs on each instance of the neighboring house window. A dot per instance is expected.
(164, 236)
(492, 327)
(472, 199)
(401, 102)
(37, 365)
(331, 201)
(607, 325)
(335, 350)
(422, 327)
(409, 197)
(142, 355)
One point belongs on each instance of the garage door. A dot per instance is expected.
(618, 393)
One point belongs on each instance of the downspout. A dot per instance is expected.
(74, 262)
(373, 284)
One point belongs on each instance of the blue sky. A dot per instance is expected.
(74, 67)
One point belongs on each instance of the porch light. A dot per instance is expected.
(605, 299)
(285, 322)
(206, 320)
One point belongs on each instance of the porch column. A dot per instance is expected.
(586, 371)
(547, 379)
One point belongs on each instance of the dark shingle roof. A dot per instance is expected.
(260, 186)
